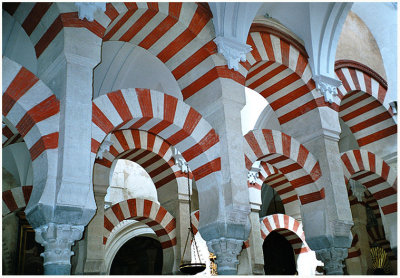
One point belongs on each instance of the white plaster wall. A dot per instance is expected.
(307, 264)
(358, 44)
(381, 19)
(255, 104)
(16, 44)
(124, 65)
(129, 180)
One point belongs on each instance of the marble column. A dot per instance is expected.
(57, 240)
(226, 251)
(333, 259)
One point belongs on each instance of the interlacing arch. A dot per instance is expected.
(150, 213)
(16, 198)
(288, 227)
(375, 174)
(275, 179)
(288, 156)
(183, 43)
(150, 151)
(362, 103)
(280, 72)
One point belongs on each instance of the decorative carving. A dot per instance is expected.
(226, 251)
(253, 173)
(327, 86)
(57, 240)
(87, 9)
(105, 146)
(233, 51)
(180, 161)
(332, 259)
(358, 189)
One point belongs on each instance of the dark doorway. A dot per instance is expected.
(138, 256)
(278, 255)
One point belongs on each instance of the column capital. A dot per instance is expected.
(233, 51)
(226, 251)
(87, 9)
(57, 240)
(327, 86)
(332, 258)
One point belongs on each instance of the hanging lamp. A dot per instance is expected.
(191, 268)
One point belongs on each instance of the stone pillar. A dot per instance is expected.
(333, 230)
(333, 259)
(256, 243)
(360, 228)
(94, 241)
(227, 251)
(229, 220)
(57, 240)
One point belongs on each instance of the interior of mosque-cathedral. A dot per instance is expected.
(266, 131)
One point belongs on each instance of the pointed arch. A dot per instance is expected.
(375, 174)
(290, 157)
(288, 227)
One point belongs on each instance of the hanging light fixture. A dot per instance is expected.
(191, 268)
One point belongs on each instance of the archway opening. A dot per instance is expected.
(138, 256)
(278, 255)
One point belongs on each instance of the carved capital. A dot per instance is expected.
(253, 173)
(327, 86)
(105, 146)
(358, 189)
(233, 51)
(226, 251)
(57, 240)
(333, 259)
(87, 9)
(180, 161)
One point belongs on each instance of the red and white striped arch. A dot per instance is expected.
(354, 250)
(271, 176)
(169, 118)
(153, 153)
(288, 227)
(363, 106)
(375, 174)
(10, 136)
(16, 198)
(179, 34)
(145, 211)
(31, 107)
(282, 75)
(290, 157)
(44, 22)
